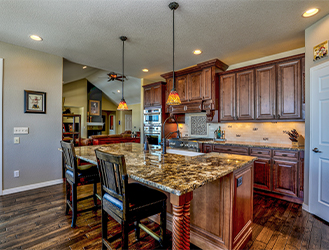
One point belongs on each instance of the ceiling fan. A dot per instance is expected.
(114, 76)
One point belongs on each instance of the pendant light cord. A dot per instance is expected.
(123, 68)
(173, 49)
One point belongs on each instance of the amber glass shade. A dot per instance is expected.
(122, 105)
(173, 98)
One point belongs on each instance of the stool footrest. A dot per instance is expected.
(149, 231)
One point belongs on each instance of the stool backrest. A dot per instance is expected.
(113, 175)
(69, 157)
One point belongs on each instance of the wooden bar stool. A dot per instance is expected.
(75, 175)
(127, 203)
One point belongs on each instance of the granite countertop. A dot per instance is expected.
(176, 174)
(256, 145)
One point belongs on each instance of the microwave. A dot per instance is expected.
(152, 116)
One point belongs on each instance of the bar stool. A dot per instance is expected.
(127, 203)
(75, 175)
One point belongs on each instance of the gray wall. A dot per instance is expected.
(315, 34)
(37, 156)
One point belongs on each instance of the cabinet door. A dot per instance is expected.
(157, 95)
(245, 95)
(289, 90)
(262, 174)
(285, 177)
(207, 148)
(168, 89)
(265, 93)
(227, 97)
(148, 97)
(206, 84)
(181, 87)
(194, 86)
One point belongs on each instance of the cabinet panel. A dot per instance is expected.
(157, 95)
(230, 149)
(289, 90)
(206, 84)
(245, 95)
(262, 174)
(207, 148)
(194, 86)
(285, 177)
(265, 93)
(148, 97)
(181, 87)
(227, 97)
(168, 89)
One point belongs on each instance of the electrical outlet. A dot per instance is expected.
(237, 135)
(16, 140)
(21, 130)
(229, 126)
(265, 139)
(255, 129)
(16, 173)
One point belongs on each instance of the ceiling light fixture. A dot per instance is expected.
(118, 90)
(145, 70)
(112, 76)
(123, 105)
(84, 67)
(310, 12)
(173, 98)
(197, 52)
(36, 38)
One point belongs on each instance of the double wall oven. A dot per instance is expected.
(152, 125)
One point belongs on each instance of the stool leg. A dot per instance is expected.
(95, 192)
(74, 205)
(137, 230)
(104, 228)
(67, 189)
(163, 224)
(124, 228)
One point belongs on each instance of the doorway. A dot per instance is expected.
(128, 122)
(111, 124)
(319, 146)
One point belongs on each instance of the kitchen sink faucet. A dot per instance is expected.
(164, 144)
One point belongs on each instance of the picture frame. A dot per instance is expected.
(34, 102)
(94, 107)
(320, 51)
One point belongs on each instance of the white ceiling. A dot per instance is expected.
(87, 32)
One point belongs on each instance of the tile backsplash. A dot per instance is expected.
(267, 132)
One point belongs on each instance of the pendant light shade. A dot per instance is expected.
(123, 105)
(173, 98)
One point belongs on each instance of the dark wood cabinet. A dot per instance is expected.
(285, 177)
(207, 84)
(262, 170)
(245, 95)
(289, 89)
(181, 88)
(277, 173)
(194, 86)
(154, 94)
(267, 91)
(227, 97)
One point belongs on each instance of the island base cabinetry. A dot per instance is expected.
(220, 212)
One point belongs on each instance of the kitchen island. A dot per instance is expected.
(210, 196)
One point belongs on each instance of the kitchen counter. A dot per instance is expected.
(173, 173)
(255, 145)
(210, 196)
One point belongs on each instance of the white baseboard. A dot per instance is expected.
(306, 207)
(32, 186)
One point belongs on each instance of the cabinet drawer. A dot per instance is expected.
(230, 150)
(263, 152)
(289, 155)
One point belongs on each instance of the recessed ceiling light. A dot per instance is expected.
(197, 52)
(145, 70)
(84, 67)
(36, 38)
(310, 12)
(118, 90)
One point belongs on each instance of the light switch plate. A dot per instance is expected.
(21, 130)
(16, 140)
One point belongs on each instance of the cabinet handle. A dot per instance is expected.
(273, 116)
(284, 155)
(259, 152)
(278, 116)
(229, 149)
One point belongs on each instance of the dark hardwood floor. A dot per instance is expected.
(36, 220)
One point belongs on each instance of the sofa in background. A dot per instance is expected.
(124, 137)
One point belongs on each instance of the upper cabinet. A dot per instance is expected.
(154, 94)
(267, 91)
(198, 89)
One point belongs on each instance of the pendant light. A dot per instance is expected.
(173, 98)
(123, 104)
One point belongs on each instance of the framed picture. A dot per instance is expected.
(320, 51)
(34, 102)
(94, 107)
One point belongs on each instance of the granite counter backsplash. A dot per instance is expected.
(172, 173)
(256, 145)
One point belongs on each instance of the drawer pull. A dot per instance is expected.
(259, 153)
(284, 155)
(229, 149)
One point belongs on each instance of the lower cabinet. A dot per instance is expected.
(277, 173)
(262, 174)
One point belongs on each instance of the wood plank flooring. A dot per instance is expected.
(36, 220)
